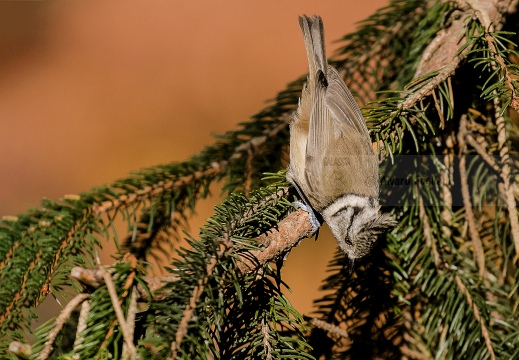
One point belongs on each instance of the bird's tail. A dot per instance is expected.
(313, 33)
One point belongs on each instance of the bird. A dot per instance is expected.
(332, 163)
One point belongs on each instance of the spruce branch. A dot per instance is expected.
(277, 242)
(156, 189)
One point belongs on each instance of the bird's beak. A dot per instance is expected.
(352, 266)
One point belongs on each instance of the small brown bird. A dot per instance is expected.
(332, 163)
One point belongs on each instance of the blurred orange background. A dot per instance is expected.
(90, 91)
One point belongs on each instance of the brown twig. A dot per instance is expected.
(130, 321)
(508, 184)
(484, 330)
(427, 232)
(94, 279)
(81, 324)
(267, 348)
(125, 328)
(332, 329)
(482, 152)
(90, 277)
(465, 193)
(446, 185)
(438, 109)
(190, 308)
(60, 322)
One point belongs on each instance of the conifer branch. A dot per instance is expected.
(514, 102)
(278, 241)
(14, 301)
(156, 189)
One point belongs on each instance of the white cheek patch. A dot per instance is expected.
(348, 201)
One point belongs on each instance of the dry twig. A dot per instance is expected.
(126, 329)
(427, 232)
(508, 185)
(469, 215)
(81, 324)
(190, 308)
(484, 330)
(332, 329)
(60, 321)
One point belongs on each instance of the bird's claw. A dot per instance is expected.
(316, 224)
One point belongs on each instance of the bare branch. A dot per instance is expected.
(332, 329)
(190, 308)
(508, 184)
(81, 324)
(484, 330)
(130, 321)
(469, 215)
(427, 232)
(125, 328)
(60, 321)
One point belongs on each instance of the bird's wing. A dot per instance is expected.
(343, 106)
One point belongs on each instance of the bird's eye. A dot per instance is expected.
(348, 241)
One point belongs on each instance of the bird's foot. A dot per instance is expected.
(316, 224)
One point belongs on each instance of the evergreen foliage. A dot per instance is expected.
(439, 78)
